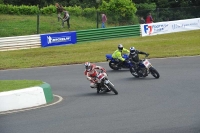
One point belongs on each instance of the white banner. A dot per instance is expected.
(170, 27)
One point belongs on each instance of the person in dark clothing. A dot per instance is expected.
(142, 21)
(134, 56)
(59, 9)
(66, 18)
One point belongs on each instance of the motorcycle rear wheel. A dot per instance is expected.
(113, 65)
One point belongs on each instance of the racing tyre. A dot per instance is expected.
(112, 88)
(133, 72)
(154, 72)
(113, 65)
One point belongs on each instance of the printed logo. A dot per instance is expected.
(51, 40)
(184, 25)
(148, 29)
(155, 28)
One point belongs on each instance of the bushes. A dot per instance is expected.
(18, 10)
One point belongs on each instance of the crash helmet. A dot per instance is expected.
(120, 47)
(132, 50)
(87, 66)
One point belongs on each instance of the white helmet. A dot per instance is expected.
(120, 47)
(87, 66)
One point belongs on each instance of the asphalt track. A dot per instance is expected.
(170, 104)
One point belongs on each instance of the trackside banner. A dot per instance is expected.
(170, 27)
(55, 39)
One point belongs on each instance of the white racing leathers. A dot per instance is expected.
(91, 76)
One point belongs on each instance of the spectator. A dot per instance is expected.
(104, 20)
(149, 19)
(142, 21)
(59, 11)
(66, 18)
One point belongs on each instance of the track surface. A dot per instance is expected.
(170, 104)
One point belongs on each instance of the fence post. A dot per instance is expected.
(157, 14)
(38, 18)
(97, 19)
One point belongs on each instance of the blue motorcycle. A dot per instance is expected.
(114, 64)
(143, 69)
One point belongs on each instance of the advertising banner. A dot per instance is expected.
(170, 27)
(55, 39)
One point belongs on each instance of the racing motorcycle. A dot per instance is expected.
(143, 69)
(104, 84)
(113, 64)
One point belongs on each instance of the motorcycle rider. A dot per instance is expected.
(134, 56)
(117, 55)
(91, 71)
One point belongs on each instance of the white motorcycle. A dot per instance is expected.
(143, 69)
(104, 84)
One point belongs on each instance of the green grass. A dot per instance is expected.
(17, 25)
(7, 85)
(159, 46)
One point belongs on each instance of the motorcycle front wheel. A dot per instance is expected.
(154, 72)
(112, 88)
(113, 65)
(133, 72)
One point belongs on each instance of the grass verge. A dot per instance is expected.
(8, 85)
(167, 45)
(159, 46)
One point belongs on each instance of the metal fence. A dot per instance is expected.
(159, 15)
(171, 14)
(50, 24)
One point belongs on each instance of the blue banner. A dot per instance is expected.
(55, 39)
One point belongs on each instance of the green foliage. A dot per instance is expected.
(90, 13)
(1, 2)
(76, 10)
(145, 8)
(25, 10)
(49, 10)
(119, 10)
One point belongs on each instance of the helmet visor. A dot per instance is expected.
(87, 68)
(132, 51)
(120, 48)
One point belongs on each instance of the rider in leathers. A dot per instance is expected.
(134, 56)
(117, 55)
(91, 71)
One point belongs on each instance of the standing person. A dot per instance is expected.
(91, 71)
(149, 19)
(104, 20)
(59, 11)
(117, 55)
(142, 21)
(66, 18)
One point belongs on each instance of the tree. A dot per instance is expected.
(119, 10)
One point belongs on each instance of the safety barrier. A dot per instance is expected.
(107, 33)
(19, 42)
(34, 41)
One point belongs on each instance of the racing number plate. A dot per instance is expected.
(147, 63)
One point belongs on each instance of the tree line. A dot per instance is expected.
(94, 3)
